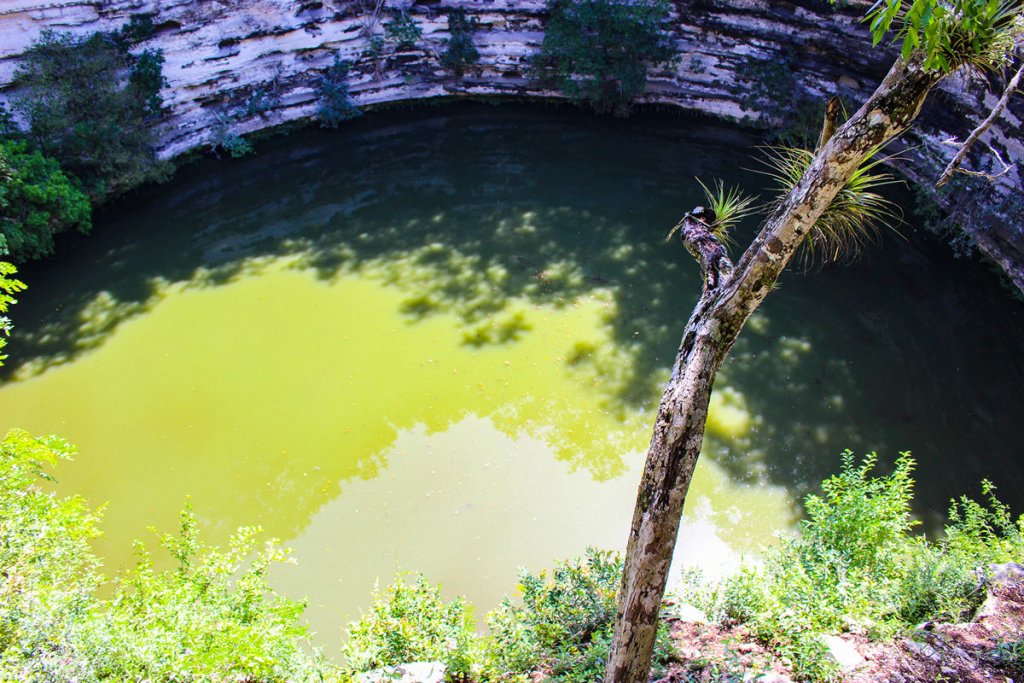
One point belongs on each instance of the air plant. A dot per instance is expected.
(853, 218)
(729, 206)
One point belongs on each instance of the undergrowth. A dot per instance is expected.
(856, 566)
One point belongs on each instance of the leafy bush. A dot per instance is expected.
(226, 140)
(260, 101)
(564, 625)
(145, 81)
(212, 618)
(335, 105)
(403, 31)
(460, 51)
(49, 571)
(943, 580)
(8, 288)
(411, 622)
(83, 112)
(598, 51)
(856, 565)
(36, 201)
(979, 33)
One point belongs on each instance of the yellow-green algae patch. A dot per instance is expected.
(377, 422)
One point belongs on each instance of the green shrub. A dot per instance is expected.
(212, 618)
(138, 28)
(598, 51)
(335, 104)
(1009, 654)
(943, 580)
(36, 201)
(88, 102)
(411, 622)
(260, 101)
(49, 571)
(8, 288)
(459, 51)
(403, 31)
(146, 80)
(563, 627)
(226, 140)
(856, 565)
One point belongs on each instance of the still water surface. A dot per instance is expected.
(434, 340)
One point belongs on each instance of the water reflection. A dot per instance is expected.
(260, 334)
(471, 504)
(263, 395)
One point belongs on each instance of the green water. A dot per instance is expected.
(434, 340)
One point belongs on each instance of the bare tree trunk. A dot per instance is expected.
(730, 296)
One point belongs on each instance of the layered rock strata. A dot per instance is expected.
(219, 53)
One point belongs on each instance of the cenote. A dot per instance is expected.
(434, 340)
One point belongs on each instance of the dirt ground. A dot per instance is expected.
(972, 652)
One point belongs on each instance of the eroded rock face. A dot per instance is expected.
(219, 52)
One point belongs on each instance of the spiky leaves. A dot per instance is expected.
(728, 206)
(856, 214)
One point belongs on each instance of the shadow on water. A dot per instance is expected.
(469, 210)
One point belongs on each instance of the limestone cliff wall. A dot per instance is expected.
(218, 52)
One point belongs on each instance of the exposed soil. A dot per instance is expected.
(971, 652)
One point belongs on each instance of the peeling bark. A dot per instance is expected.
(730, 296)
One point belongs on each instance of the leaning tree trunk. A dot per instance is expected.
(730, 296)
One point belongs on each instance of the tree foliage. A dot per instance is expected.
(953, 33)
(8, 288)
(335, 105)
(459, 51)
(36, 201)
(88, 102)
(403, 31)
(598, 51)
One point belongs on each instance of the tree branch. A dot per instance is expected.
(997, 110)
(696, 233)
(828, 128)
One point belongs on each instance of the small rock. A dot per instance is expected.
(843, 653)
(688, 613)
(414, 672)
(999, 576)
(845, 81)
(924, 650)
(772, 677)
(746, 648)
(1006, 573)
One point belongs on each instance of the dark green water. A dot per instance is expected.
(434, 340)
